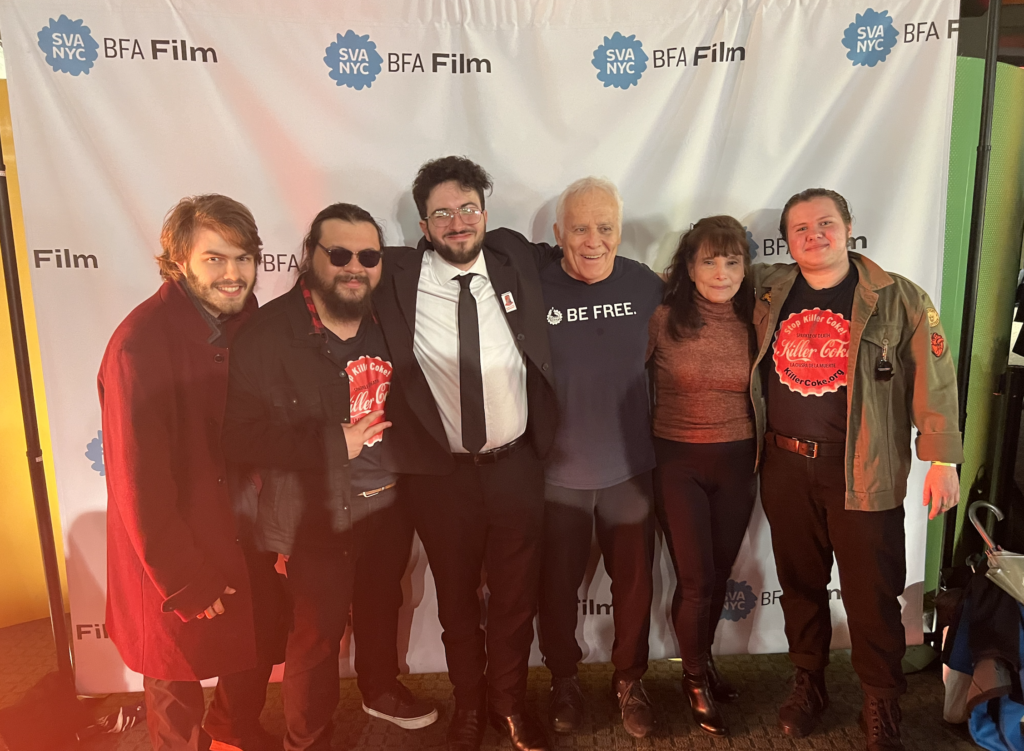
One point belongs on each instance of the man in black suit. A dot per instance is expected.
(473, 411)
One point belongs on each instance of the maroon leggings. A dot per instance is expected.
(704, 493)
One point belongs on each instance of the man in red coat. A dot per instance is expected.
(180, 603)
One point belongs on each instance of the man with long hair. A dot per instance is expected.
(310, 381)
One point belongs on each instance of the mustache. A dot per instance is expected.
(345, 278)
(229, 283)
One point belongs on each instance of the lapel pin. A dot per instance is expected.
(508, 302)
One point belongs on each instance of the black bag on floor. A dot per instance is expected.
(48, 717)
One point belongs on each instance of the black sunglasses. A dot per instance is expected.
(343, 256)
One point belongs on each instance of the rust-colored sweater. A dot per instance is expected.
(702, 382)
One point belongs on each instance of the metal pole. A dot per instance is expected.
(963, 373)
(44, 523)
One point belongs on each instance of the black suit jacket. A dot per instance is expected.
(418, 441)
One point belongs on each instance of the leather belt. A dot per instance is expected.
(810, 449)
(494, 455)
(378, 491)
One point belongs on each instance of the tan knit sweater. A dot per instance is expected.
(702, 382)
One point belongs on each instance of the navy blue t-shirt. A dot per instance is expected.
(598, 336)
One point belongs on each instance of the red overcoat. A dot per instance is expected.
(172, 544)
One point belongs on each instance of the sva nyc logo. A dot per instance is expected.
(94, 453)
(353, 60)
(870, 38)
(739, 601)
(620, 61)
(68, 45)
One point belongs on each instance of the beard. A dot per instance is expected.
(454, 255)
(212, 301)
(340, 303)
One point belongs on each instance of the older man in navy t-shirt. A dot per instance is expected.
(600, 467)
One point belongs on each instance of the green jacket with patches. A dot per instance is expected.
(887, 308)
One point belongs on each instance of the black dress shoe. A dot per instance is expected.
(800, 713)
(722, 691)
(522, 730)
(466, 730)
(702, 704)
(566, 710)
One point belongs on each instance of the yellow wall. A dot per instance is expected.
(22, 586)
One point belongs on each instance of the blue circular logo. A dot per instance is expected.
(68, 46)
(752, 245)
(739, 601)
(870, 38)
(353, 60)
(620, 61)
(94, 453)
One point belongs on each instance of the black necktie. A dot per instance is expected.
(471, 381)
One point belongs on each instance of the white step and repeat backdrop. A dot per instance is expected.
(693, 107)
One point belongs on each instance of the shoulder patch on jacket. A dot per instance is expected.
(938, 345)
(933, 317)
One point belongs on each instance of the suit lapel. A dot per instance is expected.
(504, 280)
(407, 279)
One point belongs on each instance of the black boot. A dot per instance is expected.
(702, 704)
(880, 721)
(722, 691)
(799, 715)
(566, 711)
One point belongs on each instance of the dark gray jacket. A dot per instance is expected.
(286, 406)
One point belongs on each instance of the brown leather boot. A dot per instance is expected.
(800, 713)
(880, 721)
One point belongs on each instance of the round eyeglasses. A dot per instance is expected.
(343, 256)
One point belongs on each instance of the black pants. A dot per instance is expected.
(360, 571)
(704, 495)
(623, 516)
(174, 709)
(488, 516)
(804, 500)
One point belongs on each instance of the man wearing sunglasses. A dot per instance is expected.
(309, 380)
(463, 314)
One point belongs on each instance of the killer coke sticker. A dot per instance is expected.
(811, 350)
(369, 380)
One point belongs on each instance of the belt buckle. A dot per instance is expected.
(808, 449)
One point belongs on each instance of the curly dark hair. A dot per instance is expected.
(716, 236)
(468, 174)
(346, 212)
(809, 195)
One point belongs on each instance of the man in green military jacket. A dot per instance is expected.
(849, 359)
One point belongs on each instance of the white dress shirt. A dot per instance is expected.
(436, 346)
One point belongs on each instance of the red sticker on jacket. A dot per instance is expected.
(369, 380)
(811, 350)
(938, 345)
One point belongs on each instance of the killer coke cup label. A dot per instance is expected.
(369, 380)
(811, 351)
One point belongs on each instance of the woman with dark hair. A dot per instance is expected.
(701, 350)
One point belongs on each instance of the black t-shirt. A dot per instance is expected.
(366, 359)
(598, 335)
(806, 365)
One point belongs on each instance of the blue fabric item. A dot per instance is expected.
(1000, 732)
(996, 724)
(960, 658)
